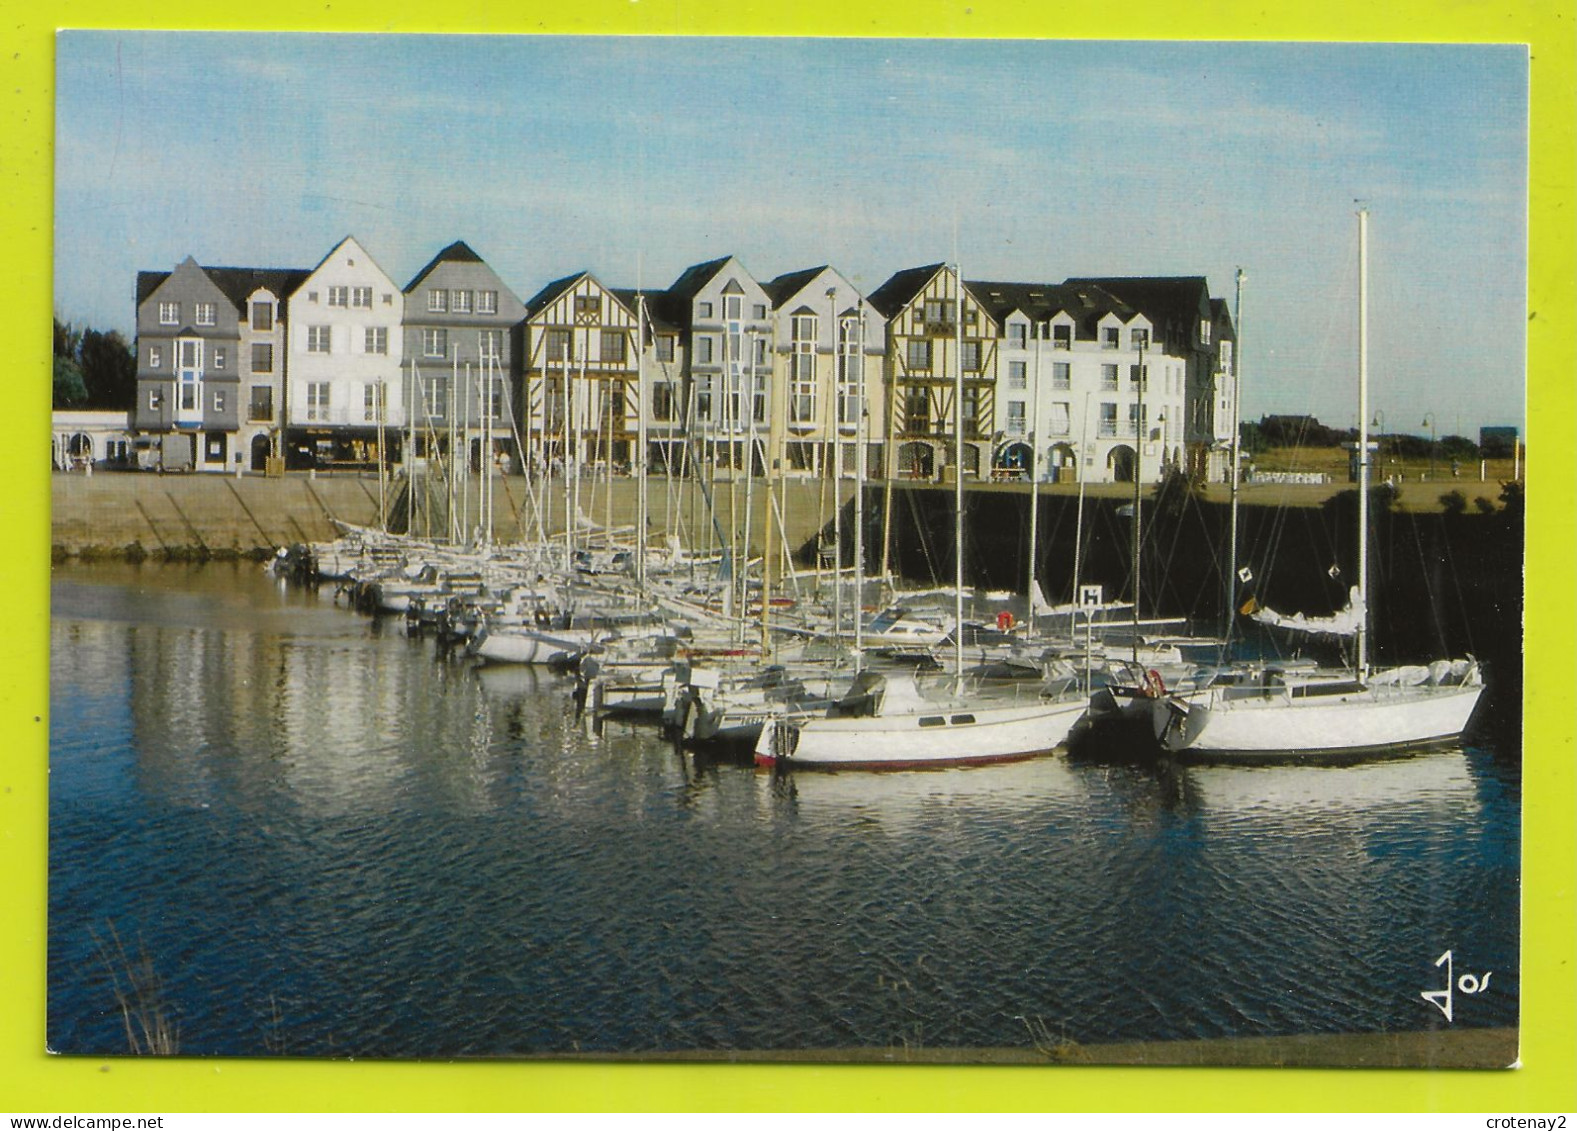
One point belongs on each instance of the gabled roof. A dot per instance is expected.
(236, 283)
(1041, 302)
(899, 290)
(692, 279)
(457, 252)
(1182, 299)
(1222, 318)
(632, 300)
(787, 285)
(551, 293)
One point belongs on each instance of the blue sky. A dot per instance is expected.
(1025, 160)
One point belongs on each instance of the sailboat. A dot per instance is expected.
(907, 729)
(1265, 715)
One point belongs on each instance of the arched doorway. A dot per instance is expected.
(1120, 462)
(261, 449)
(1013, 460)
(80, 449)
(916, 460)
(972, 460)
(1063, 463)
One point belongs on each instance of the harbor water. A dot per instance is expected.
(305, 834)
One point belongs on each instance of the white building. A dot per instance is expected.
(344, 397)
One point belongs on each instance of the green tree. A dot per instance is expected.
(109, 370)
(70, 391)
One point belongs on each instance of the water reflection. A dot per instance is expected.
(412, 856)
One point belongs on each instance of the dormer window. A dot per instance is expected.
(1111, 337)
(1062, 336)
(1140, 338)
(1018, 335)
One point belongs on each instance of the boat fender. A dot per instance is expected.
(1154, 685)
(1004, 621)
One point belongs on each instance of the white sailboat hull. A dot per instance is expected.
(1368, 721)
(951, 735)
(529, 646)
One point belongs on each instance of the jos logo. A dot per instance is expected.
(1467, 984)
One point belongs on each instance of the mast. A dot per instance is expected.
(835, 418)
(1138, 484)
(1361, 659)
(1233, 477)
(1078, 521)
(1034, 500)
(640, 440)
(859, 487)
(958, 477)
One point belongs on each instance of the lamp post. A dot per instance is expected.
(1429, 422)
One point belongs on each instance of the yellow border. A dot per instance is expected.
(30, 1081)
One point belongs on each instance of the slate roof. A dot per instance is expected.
(1222, 317)
(631, 299)
(1040, 302)
(899, 290)
(457, 252)
(1176, 301)
(236, 283)
(786, 286)
(551, 293)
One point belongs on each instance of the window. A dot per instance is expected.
(1060, 422)
(169, 313)
(1226, 357)
(703, 400)
(318, 339)
(971, 357)
(487, 302)
(663, 401)
(204, 313)
(188, 396)
(1140, 338)
(375, 339)
(1062, 336)
(558, 345)
(588, 307)
(437, 301)
(802, 330)
(155, 357)
(339, 296)
(1018, 375)
(1111, 337)
(1139, 375)
(317, 400)
(262, 357)
(665, 347)
(460, 302)
(917, 410)
(971, 408)
(703, 349)
(758, 399)
(935, 312)
(1108, 425)
(1108, 377)
(1018, 335)
(1204, 331)
(372, 395)
(918, 354)
(733, 306)
(490, 343)
(1061, 375)
(1138, 415)
(361, 297)
(262, 316)
(312, 296)
(435, 397)
(613, 345)
(703, 310)
(262, 403)
(219, 400)
(1016, 418)
(219, 358)
(435, 343)
(759, 311)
